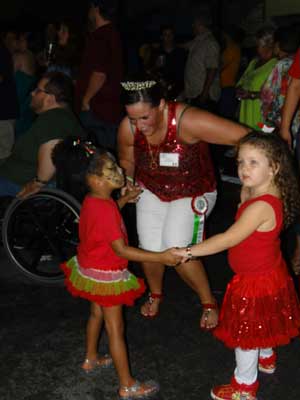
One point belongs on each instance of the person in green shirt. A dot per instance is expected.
(252, 80)
(30, 166)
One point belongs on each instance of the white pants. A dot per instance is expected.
(247, 363)
(164, 224)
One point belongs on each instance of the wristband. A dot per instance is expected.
(38, 180)
(130, 179)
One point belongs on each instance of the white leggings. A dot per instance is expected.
(247, 362)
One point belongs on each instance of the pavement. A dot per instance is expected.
(42, 339)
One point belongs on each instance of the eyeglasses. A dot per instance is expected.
(39, 90)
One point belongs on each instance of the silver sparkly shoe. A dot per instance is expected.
(139, 390)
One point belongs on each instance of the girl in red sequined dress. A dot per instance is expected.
(99, 271)
(260, 308)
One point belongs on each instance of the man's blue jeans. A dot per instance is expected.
(8, 188)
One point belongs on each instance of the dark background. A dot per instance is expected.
(29, 13)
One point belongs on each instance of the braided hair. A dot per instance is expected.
(74, 158)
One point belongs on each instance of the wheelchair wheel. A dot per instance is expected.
(39, 232)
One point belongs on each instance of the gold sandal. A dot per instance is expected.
(100, 363)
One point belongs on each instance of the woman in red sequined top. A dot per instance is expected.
(163, 148)
(260, 308)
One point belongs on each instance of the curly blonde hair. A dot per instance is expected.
(285, 178)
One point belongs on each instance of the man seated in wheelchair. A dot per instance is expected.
(30, 166)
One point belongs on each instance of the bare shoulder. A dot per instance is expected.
(189, 111)
(50, 144)
(195, 123)
(260, 209)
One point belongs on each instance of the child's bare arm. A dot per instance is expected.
(166, 257)
(253, 217)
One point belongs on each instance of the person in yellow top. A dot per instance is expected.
(253, 79)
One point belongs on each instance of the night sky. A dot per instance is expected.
(29, 11)
(32, 11)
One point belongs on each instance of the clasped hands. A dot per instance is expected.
(175, 256)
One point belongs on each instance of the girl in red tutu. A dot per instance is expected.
(99, 271)
(260, 309)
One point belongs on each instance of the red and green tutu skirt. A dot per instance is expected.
(102, 286)
(259, 310)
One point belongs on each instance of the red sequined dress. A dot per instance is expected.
(194, 174)
(260, 308)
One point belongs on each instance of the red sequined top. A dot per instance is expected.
(194, 174)
(260, 252)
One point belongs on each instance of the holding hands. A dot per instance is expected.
(170, 257)
(184, 253)
(177, 255)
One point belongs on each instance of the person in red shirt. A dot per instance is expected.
(288, 112)
(99, 272)
(98, 82)
(260, 308)
(163, 146)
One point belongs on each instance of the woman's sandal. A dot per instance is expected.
(139, 390)
(208, 308)
(94, 365)
(147, 306)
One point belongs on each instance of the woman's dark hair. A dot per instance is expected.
(74, 158)
(152, 94)
(60, 86)
(288, 39)
(280, 158)
(107, 8)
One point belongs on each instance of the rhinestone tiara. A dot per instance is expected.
(131, 86)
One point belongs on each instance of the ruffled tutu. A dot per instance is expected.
(259, 311)
(104, 287)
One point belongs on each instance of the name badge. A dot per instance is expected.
(169, 159)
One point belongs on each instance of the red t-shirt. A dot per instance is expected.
(294, 71)
(100, 224)
(103, 53)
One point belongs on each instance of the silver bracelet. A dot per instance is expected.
(189, 252)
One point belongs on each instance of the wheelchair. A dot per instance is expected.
(39, 232)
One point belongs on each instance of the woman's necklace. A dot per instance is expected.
(154, 163)
(154, 156)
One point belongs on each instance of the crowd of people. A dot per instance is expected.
(153, 134)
